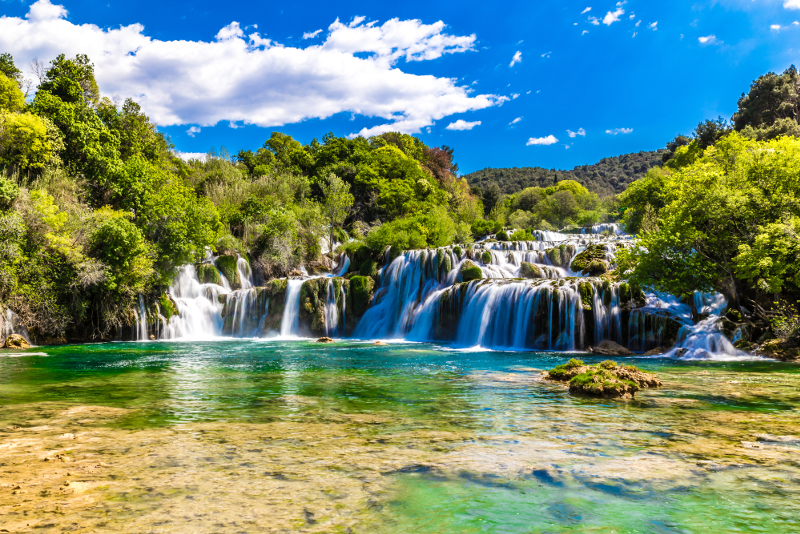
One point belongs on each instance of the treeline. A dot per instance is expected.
(724, 214)
(96, 208)
(607, 177)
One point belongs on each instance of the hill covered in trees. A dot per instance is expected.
(609, 176)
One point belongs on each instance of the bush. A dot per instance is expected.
(432, 229)
(502, 236)
(482, 228)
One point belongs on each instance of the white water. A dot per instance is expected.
(290, 324)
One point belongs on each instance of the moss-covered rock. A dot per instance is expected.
(592, 261)
(168, 306)
(587, 295)
(16, 341)
(369, 268)
(469, 271)
(501, 236)
(530, 271)
(457, 251)
(745, 345)
(486, 257)
(207, 273)
(264, 312)
(227, 265)
(606, 379)
(361, 291)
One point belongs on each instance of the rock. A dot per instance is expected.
(380, 343)
(656, 351)
(587, 295)
(226, 263)
(530, 271)
(610, 348)
(16, 341)
(369, 268)
(592, 261)
(469, 271)
(780, 351)
(325, 340)
(296, 274)
(361, 288)
(606, 379)
(207, 273)
(743, 344)
(486, 257)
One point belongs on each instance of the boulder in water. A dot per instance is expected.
(470, 271)
(486, 257)
(530, 271)
(16, 341)
(656, 351)
(610, 348)
(606, 379)
(227, 264)
(592, 261)
(207, 273)
(325, 340)
(380, 343)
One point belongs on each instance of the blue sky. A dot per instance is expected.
(587, 84)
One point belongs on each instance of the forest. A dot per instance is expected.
(97, 208)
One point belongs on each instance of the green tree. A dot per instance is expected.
(9, 69)
(11, 98)
(336, 206)
(71, 80)
(24, 141)
(772, 97)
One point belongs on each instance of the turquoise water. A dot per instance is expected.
(414, 438)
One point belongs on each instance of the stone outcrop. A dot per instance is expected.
(207, 273)
(16, 341)
(469, 271)
(607, 379)
(226, 263)
(610, 348)
(592, 261)
(530, 271)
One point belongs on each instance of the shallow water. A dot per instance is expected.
(293, 436)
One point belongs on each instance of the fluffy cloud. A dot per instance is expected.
(194, 130)
(462, 125)
(653, 26)
(580, 132)
(611, 18)
(311, 35)
(708, 39)
(186, 156)
(792, 4)
(585, 32)
(593, 20)
(549, 140)
(586, 10)
(516, 59)
(775, 27)
(515, 121)
(616, 131)
(251, 80)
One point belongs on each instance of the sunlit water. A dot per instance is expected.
(294, 436)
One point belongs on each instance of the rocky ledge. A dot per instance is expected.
(607, 379)
(15, 341)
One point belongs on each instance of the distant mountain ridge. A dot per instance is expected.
(609, 176)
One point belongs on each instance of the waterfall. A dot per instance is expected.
(245, 274)
(290, 324)
(11, 324)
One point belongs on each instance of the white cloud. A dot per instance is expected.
(462, 125)
(194, 130)
(593, 20)
(611, 18)
(515, 121)
(516, 59)
(585, 32)
(653, 26)
(311, 35)
(637, 24)
(514, 96)
(792, 4)
(775, 27)
(708, 39)
(616, 131)
(580, 132)
(586, 10)
(186, 156)
(634, 34)
(546, 54)
(549, 140)
(795, 23)
(251, 80)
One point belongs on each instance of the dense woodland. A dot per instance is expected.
(96, 208)
(609, 176)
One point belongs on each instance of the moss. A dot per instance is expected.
(361, 289)
(227, 265)
(566, 371)
(602, 383)
(530, 271)
(447, 265)
(457, 251)
(502, 236)
(555, 256)
(207, 273)
(486, 257)
(168, 308)
(470, 271)
(587, 295)
(607, 364)
(368, 268)
(592, 261)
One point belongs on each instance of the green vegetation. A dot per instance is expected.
(606, 379)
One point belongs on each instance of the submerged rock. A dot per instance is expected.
(656, 351)
(325, 340)
(606, 379)
(610, 348)
(16, 341)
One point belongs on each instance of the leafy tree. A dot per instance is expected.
(673, 146)
(772, 97)
(529, 198)
(71, 80)
(9, 69)
(11, 98)
(24, 141)
(708, 132)
(137, 135)
(644, 196)
(337, 203)
(120, 245)
(429, 229)
(491, 197)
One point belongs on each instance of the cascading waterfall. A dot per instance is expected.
(290, 324)
(10, 324)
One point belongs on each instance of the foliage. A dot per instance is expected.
(11, 98)
(772, 98)
(337, 202)
(24, 141)
(430, 229)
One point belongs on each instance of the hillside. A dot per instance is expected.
(606, 177)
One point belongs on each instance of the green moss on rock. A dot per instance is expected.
(530, 271)
(486, 257)
(369, 268)
(361, 290)
(168, 307)
(592, 261)
(469, 271)
(227, 265)
(207, 273)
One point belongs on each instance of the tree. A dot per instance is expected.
(24, 141)
(564, 206)
(673, 146)
(708, 132)
(72, 80)
(772, 97)
(9, 69)
(11, 98)
(529, 198)
(491, 196)
(337, 203)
